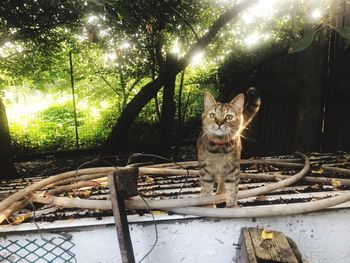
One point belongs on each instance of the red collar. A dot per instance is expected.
(221, 143)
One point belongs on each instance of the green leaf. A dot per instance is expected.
(125, 13)
(37, 71)
(303, 43)
(344, 32)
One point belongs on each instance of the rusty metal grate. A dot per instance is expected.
(54, 250)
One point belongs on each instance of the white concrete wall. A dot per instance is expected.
(322, 237)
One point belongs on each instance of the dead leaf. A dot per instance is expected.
(156, 212)
(266, 234)
(87, 193)
(315, 186)
(245, 187)
(336, 183)
(261, 198)
(19, 219)
(319, 171)
(149, 180)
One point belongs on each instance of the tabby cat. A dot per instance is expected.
(219, 144)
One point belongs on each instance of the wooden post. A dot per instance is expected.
(257, 248)
(123, 184)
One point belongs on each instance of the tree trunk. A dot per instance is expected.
(168, 105)
(7, 169)
(129, 114)
(179, 108)
(148, 92)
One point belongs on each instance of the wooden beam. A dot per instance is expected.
(122, 184)
(257, 247)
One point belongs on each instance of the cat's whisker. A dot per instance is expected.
(204, 134)
(232, 142)
(240, 128)
(228, 135)
(242, 136)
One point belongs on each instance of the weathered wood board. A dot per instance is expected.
(259, 248)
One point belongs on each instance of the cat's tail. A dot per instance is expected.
(252, 105)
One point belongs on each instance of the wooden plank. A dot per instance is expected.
(246, 254)
(249, 246)
(276, 249)
(126, 181)
(121, 222)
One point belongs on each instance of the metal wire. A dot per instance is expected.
(144, 200)
(155, 229)
(81, 166)
(147, 205)
(165, 159)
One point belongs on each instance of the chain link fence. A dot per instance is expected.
(54, 250)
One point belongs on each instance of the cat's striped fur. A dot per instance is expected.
(219, 144)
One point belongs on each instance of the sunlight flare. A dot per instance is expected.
(125, 45)
(92, 19)
(262, 9)
(22, 107)
(110, 57)
(316, 14)
(197, 58)
(247, 18)
(176, 47)
(9, 49)
(252, 40)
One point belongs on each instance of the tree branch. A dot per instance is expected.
(204, 41)
(148, 92)
(183, 19)
(108, 84)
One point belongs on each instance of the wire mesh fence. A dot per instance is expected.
(54, 250)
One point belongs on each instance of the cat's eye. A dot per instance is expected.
(229, 117)
(212, 115)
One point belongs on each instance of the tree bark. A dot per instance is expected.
(179, 110)
(129, 114)
(7, 169)
(168, 105)
(148, 92)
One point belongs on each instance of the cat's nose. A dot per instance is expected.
(219, 123)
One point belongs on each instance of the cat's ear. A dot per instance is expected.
(208, 100)
(238, 102)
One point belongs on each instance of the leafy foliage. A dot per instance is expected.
(119, 46)
(344, 32)
(304, 42)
